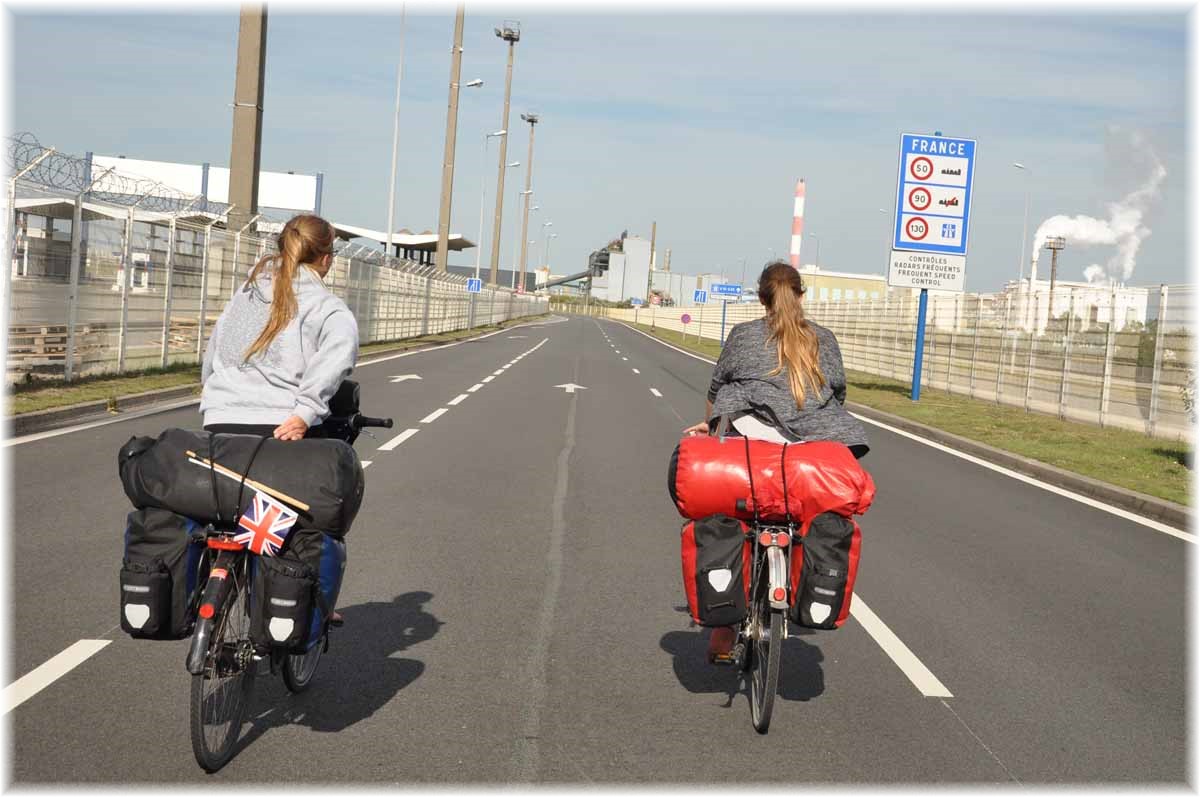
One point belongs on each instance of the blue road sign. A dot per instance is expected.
(727, 290)
(474, 285)
(933, 195)
(700, 297)
(636, 302)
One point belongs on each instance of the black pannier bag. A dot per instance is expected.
(159, 574)
(716, 569)
(294, 593)
(324, 473)
(823, 581)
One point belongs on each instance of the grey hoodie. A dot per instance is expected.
(297, 374)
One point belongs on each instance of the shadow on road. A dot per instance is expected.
(800, 674)
(359, 673)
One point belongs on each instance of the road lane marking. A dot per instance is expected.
(35, 681)
(457, 399)
(433, 416)
(636, 371)
(497, 372)
(366, 463)
(489, 378)
(1083, 499)
(626, 359)
(474, 387)
(404, 377)
(398, 439)
(442, 347)
(925, 681)
(618, 351)
(655, 392)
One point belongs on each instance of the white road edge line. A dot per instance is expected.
(443, 347)
(433, 416)
(655, 392)
(398, 439)
(454, 402)
(474, 387)
(925, 681)
(1083, 499)
(39, 678)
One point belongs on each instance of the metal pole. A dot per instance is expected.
(496, 225)
(166, 337)
(1000, 357)
(73, 290)
(428, 298)
(246, 149)
(10, 224)
(1109, 344)
(919, 348)
(126, 271)
(204, 291)
(975, 345)
(443, 244)
(1029, 364)
(1024, 234)
(391, 217)
(1066, 366)
(532, 119)
(724, 307)
(1155, 384)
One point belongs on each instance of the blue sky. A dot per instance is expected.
(701, 122)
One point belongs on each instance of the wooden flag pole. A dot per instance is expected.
(257, 485)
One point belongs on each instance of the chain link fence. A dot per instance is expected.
(111, 273)
(1096, 361)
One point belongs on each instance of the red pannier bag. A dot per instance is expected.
(715, 552)
(802, 482)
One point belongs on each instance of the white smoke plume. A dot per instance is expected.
(1124, 229)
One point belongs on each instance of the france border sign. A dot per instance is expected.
(933, 194)
(474, 285)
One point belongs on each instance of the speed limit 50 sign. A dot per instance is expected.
(933, 195)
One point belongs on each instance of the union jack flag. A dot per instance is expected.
(265, 525)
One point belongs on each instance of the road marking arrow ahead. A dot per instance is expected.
(572, 387)
(404, 377)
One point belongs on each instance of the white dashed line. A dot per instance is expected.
(474, 387)
(366, 463)
(33, 682)
(618, 351)
(398, 439)
(497, 372)
(655, 392)
(626, 359)
(433, 416)
(457, 399)
(925, 681)
(489, 378)
(636, 371)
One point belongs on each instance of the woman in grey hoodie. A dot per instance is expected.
(283, 343)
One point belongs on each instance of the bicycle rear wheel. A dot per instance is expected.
(221, 694)
(766, 634)
(299, 668)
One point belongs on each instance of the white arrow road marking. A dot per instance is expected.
(404, 378)
(433, 416)
(398, 439)
(457, 399)
(474, 387)
(33, 682)
(655, 392)
(571, 387)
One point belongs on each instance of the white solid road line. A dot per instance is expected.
(398, 439)
(33, 682)
(457, 399)
(489, 378)
(655, 392)
(30, 438)
(925, 681)
(433, 416)
(474, 387)
(443, 347)
(1083, 499)
(636, 371)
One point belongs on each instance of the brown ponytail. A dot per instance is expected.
(780, 290)
(304, 240)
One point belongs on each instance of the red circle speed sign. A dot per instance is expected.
(919, 198)
(917, 228)
(921, 168)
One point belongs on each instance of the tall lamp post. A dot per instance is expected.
(532, 119)
(443, 243)
(391, 216)
(482, 194)
(511, 33)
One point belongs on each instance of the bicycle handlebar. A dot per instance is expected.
(362, 421)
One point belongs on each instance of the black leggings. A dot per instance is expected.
(258, 429)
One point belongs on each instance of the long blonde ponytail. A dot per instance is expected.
(780, 289)
(305, 239)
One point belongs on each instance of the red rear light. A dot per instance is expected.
(765, 538)
(779, 594)
(206, 611)
(783, 539)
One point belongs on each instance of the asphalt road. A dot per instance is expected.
(514, 611)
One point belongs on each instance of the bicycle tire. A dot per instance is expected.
(299, 668)
(221, 694)
(764, 675)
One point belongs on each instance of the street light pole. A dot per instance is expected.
(391, 217)
(500, 134)
(443, 243)
(246, 149)
(532, 119)
(511, 33)
(1025, 223)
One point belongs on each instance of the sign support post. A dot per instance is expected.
(919, 353)
(724, 305)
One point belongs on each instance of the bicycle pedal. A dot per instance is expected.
(723, 659)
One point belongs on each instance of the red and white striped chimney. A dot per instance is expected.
(797, 223)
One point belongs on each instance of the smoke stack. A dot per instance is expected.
(797, 223)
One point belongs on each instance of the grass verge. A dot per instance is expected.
(48, 395)
(1126, 459)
